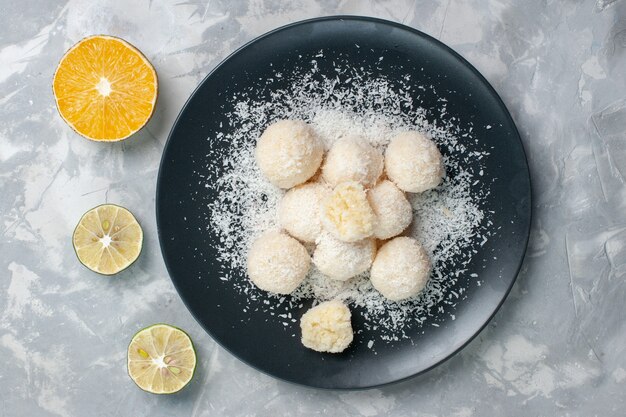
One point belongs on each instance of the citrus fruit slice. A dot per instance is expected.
(161, 359)
(107, 239)
(105, 89)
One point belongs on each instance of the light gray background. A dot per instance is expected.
(557, 347)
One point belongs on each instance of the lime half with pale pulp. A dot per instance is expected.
(108, 239)
(161, 359)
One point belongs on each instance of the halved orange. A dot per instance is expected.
(105, 89)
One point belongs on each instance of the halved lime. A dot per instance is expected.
(108, 239)
(161, 359)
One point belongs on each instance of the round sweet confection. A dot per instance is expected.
(401, 269)
(413, 162)
(288, 153)
(278, 263)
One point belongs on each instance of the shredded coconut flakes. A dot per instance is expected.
(447, 221)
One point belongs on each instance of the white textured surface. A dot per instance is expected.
(558, 345)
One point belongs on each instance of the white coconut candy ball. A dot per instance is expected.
(289, 153)
(343, 260)
(393, 211)
(352, 159)
(299, 212)
(347, 214)
(277, 263)
(327, 328)
(413, 162)
(401, 269)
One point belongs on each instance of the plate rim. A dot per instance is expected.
(468, 65)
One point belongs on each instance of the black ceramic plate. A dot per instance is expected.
(181, 201)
